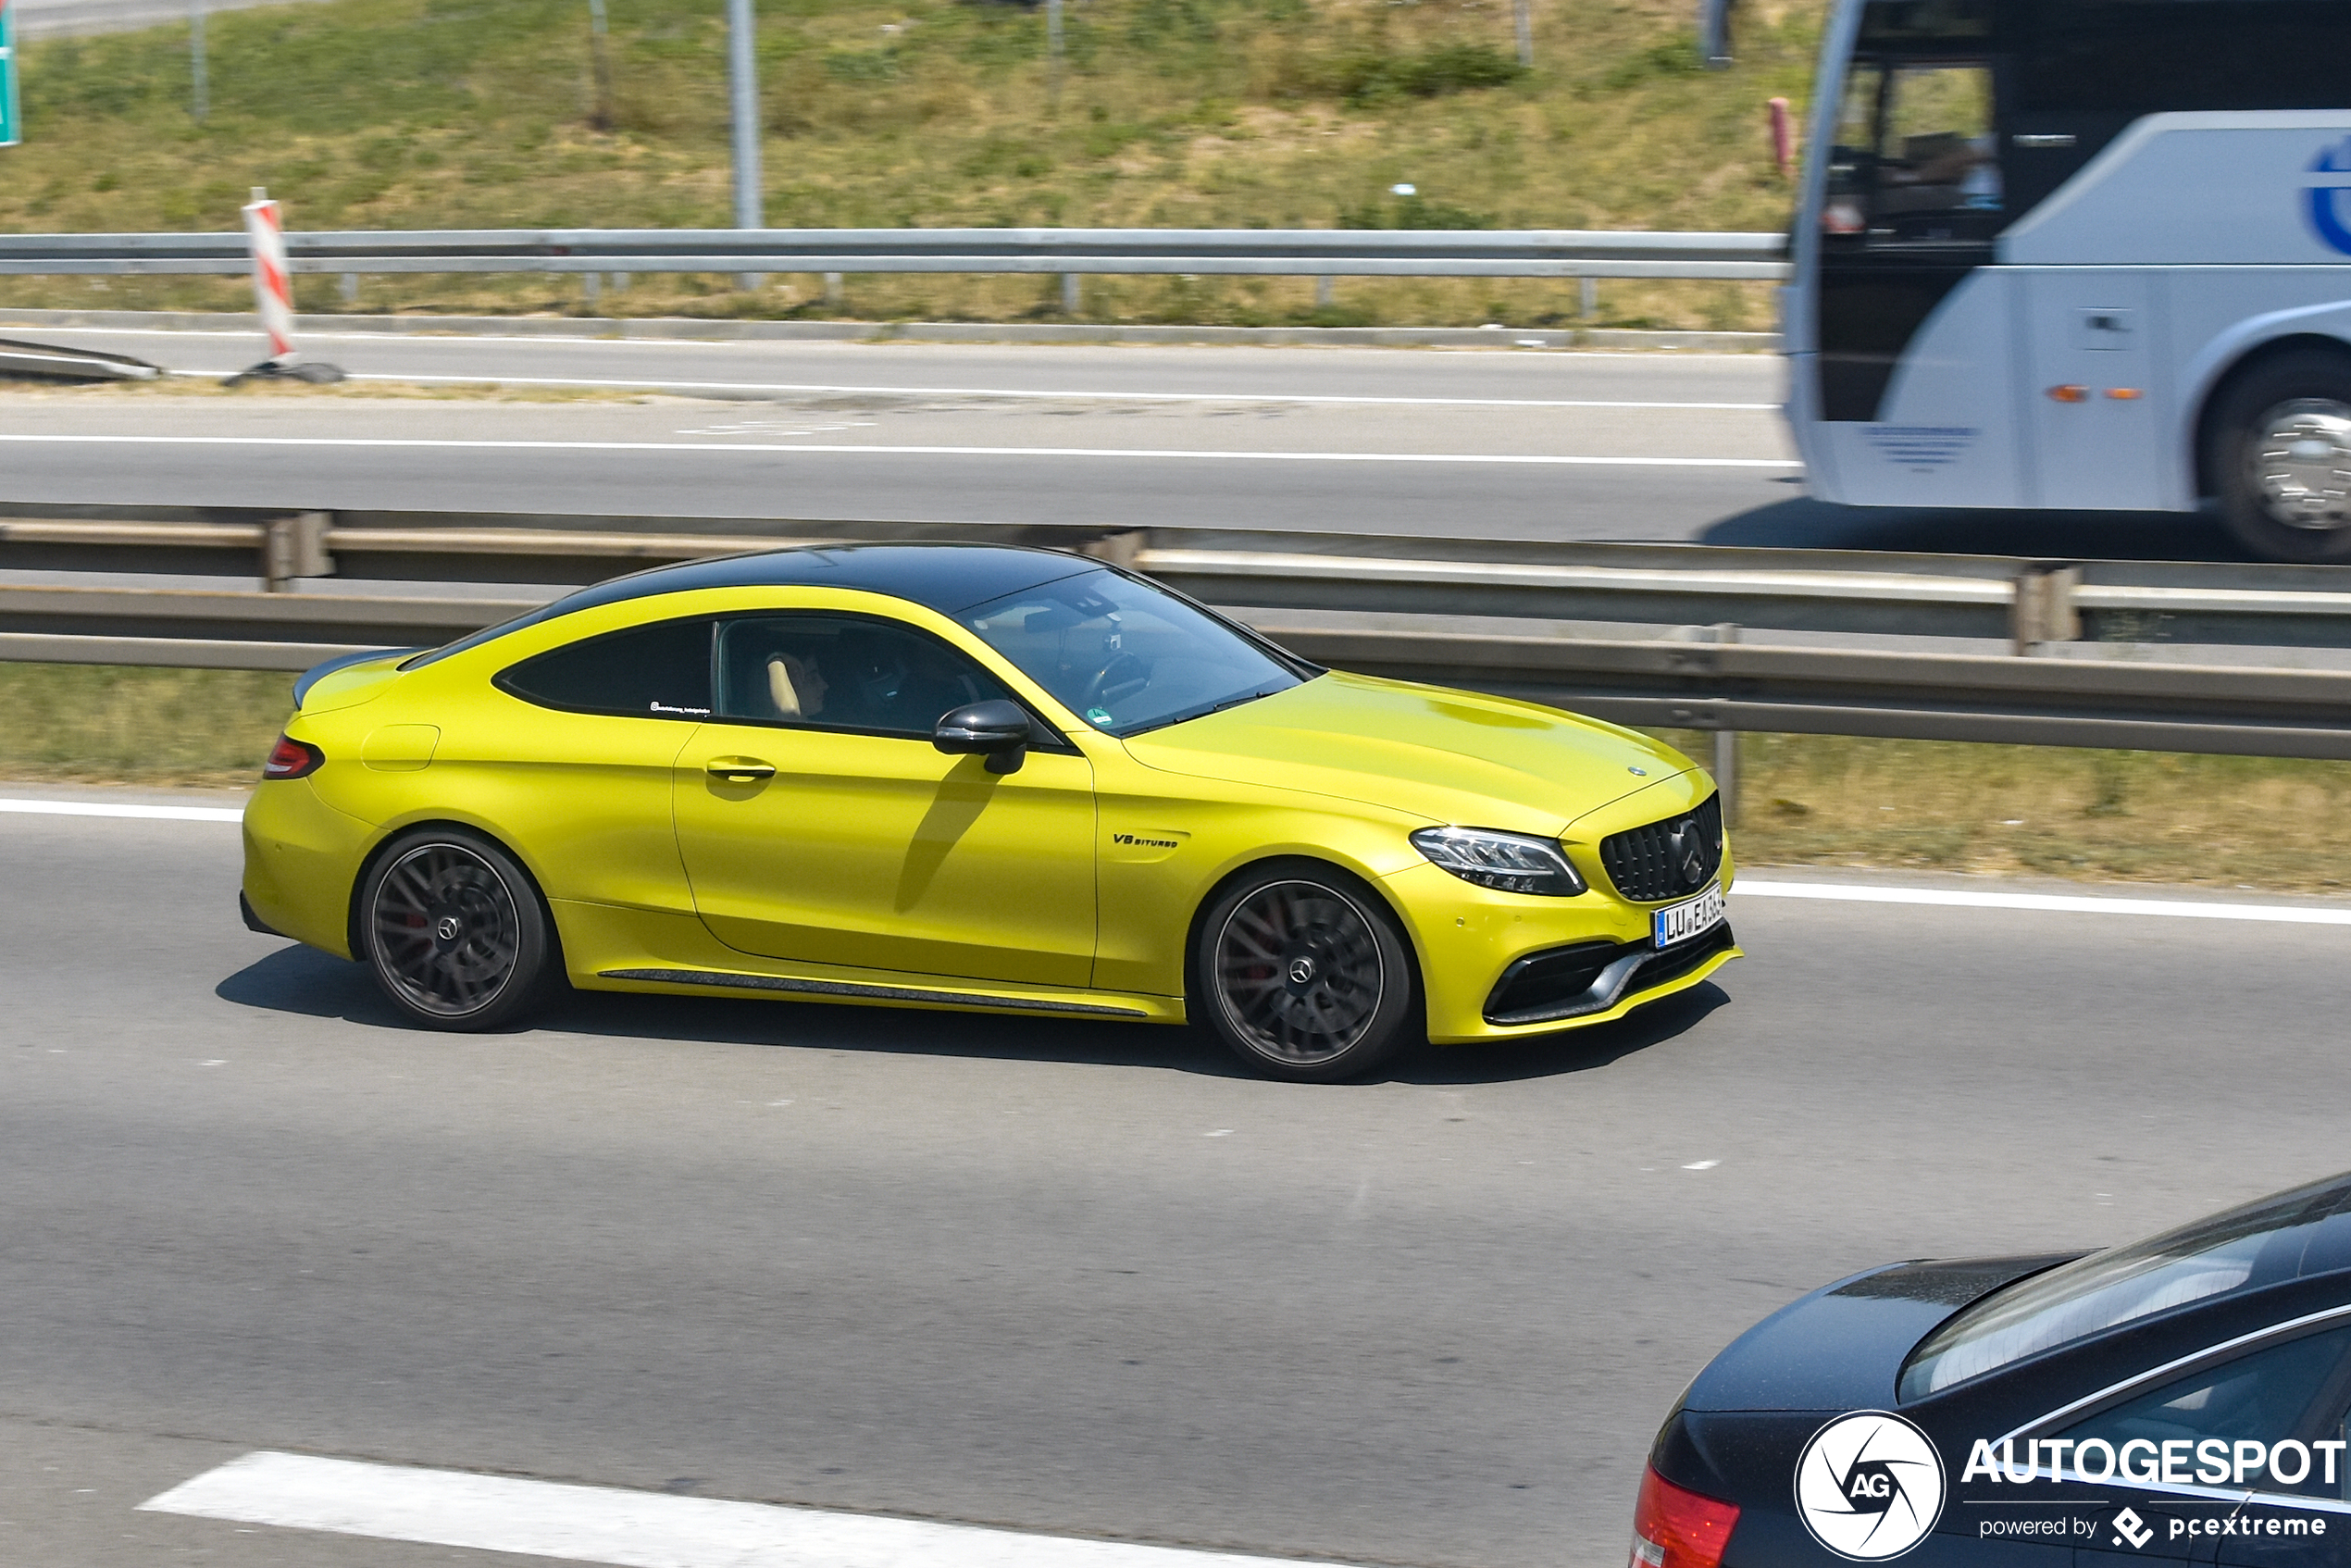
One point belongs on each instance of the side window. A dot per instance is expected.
(659, 671)
(2287, 1400)
(1916, 159)
(843, 672)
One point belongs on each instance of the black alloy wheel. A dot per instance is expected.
(1301, 971)
(454, 931)
(2279, 456)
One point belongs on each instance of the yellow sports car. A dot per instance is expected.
(972, 776)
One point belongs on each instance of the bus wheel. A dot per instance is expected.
(2282, 458)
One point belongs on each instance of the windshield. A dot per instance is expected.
(2291, 1235)
(1125, 656)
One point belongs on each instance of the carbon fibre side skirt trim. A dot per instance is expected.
(721, 980)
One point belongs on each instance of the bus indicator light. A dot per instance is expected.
(2070, 393)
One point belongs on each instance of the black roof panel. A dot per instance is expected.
(946, 577)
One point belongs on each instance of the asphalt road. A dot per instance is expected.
(1488, 444)
(1059, 1276)
(51, 19)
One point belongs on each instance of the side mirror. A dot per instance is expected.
(998, 730)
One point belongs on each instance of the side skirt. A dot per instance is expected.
(722, 980)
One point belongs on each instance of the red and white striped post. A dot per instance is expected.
(272, 279)
(273, 296)
(1783, 138)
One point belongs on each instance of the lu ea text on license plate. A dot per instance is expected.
(1680, 922)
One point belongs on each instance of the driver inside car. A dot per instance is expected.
(795, 685)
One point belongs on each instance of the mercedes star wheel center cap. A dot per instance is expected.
(447, 927)
(1301, 971)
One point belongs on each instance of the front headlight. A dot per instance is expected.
(1513, 863)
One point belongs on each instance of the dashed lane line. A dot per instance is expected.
(108, 808)
(635, 1529)
(2055, 903)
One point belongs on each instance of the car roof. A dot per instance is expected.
(948, 578)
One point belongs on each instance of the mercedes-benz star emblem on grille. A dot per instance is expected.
(1690, 852)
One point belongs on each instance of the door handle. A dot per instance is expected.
(738, 770)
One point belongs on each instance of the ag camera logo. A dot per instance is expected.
(1869, 1486)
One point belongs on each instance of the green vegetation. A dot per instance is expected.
(1816, 800)
(106, 724)
(409, 113)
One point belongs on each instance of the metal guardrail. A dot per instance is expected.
(1413, 609)
(1533, 253)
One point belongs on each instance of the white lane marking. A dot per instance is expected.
(829, 387)
(2058, 904)
(880, 449)
(1701, 1165)
(637, 1529)
(108, 808)
(1680, 357)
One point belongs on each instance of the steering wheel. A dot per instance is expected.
(1123, 676)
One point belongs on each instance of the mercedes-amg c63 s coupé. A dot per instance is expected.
(975, 777)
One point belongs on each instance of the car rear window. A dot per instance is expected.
(2289, 1236)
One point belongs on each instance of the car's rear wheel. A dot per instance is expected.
(454, 931)
(2280, 456)
(1300, 969)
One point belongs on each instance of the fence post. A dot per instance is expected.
(742, 79)
(199, 75)
(1525, 20)
(1054, 56)
(599, 57)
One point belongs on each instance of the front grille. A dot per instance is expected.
(1648, 864)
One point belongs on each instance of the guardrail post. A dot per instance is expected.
(590, 287)
(2044, 610)
(1325, 292)
(1069, 293)
(1726, 745)
(295, 547)
(833, 290)
(1118, 549)
(1589, 298)
(351, 288)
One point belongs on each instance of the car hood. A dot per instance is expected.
(1843, 1346)
(1446, 755)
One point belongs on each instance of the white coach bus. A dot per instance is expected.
(2082, 254)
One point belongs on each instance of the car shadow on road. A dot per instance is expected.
(304, 982)
(1801, 523)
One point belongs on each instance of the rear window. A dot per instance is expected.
(2291, 1235)
(658, 671)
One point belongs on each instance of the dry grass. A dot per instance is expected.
(1242, 112)
(109, 725)
(2119, 816)
(1808, 800)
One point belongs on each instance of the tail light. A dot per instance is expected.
(291, 758)
(1674, 1529)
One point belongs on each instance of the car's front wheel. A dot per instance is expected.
(454, 931)
(1301, 970)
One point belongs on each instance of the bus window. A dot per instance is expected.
(1917, 160)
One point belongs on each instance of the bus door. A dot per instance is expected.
(1912, 332)
(2099, 410)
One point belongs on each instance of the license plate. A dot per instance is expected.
(1680, 922)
